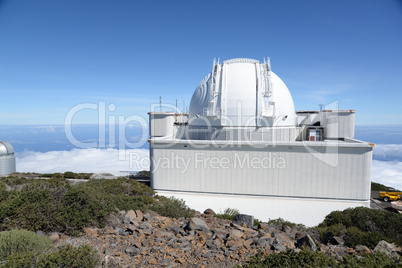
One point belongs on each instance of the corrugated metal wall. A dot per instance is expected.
(339, 124)
(313, 171)
(7, 165)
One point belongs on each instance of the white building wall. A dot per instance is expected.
(7, 164)
(309, 212)
(327, 170)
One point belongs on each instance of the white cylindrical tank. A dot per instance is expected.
(161, 124)
(339, 124)
(7, 158)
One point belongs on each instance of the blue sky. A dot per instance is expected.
(57, 54)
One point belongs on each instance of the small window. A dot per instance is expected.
(315, 135)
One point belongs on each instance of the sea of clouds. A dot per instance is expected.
(386, 169)
(91, 160)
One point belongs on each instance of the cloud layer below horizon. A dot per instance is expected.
(89, 160)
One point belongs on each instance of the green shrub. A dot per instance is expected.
(354, 237)
(256, 222)
(66, 256)
(54, 205)
(305, 258)
(331, 231)
(20, 260)
(291, 259)
(376, 224)
(69, 256)
(281, 222)
(172, 207)
(69, 175)
(378, 187)
(82, 207)
(3, 186)
(22, 241)
(228, 214)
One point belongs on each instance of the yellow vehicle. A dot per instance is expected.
(390, 196)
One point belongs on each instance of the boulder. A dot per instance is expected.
(360, 249)
(340, 251)
(145, 225)
(196, 224)
(306, 242)
(239, 219)
(129, 217)
(387, 248)
(337, 240)
(40, 233)
(277, 245)
(148, 214)
(209, 211)
(284, 240)
(235, 233)
(264, 242)
(54, 237)
(132, 251)
(286, 228)
(263, 226)
(139, 215)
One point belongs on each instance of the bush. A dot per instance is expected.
(69, 256)
(20, 260)
(334, 230)
(69, 175)
(374, 225)
(22, 241)
(228, 214)
(54, 205)
(354, 237)
(281, 222)
(305, 258)
(291, 259)
(172, 207)
(66, 256)
(378, 187)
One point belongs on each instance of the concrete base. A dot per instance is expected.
(309, 212)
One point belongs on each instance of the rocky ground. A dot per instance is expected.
(146, 239)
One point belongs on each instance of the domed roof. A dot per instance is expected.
(242, 92)
(6, 148)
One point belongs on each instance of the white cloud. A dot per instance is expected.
(84, 160)
(388, 151)
(388, 173)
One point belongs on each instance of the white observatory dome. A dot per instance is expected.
(6, 148)
(242, 93)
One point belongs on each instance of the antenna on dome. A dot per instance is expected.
(269, 63)
(160, 103)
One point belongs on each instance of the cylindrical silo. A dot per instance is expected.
(7, 158)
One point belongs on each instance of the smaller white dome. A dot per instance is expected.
(6, 148)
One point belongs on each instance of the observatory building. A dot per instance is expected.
(242, 145)
(7, 159)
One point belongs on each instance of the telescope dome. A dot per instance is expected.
(242, 93)
(6, 148)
